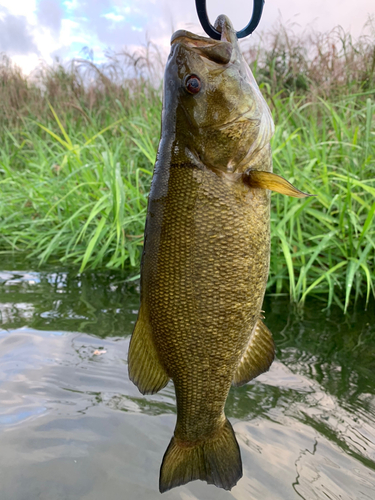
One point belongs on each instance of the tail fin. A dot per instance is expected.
(216, 460)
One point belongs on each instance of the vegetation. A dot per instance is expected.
(78, 145)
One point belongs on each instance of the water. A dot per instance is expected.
(73, 427)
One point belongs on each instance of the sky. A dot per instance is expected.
(34, 30)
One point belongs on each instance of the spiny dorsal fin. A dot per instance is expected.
(258, 357)
(144, 366)
(273, 182)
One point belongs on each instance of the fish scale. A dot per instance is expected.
(194, 312)
(206, 253)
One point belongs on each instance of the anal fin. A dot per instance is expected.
(258, 357)
(145, 369)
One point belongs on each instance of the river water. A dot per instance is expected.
(73, 427)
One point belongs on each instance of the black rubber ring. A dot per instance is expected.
(210, 30)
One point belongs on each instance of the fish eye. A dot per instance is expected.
(193, 84)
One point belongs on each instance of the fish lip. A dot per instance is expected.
(222, 24)
(219, 51)
(195, 40)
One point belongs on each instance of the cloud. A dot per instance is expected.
(114, 17)
(50, 14)
(46, 28)
(15, 35)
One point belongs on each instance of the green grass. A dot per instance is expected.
(76, 164)
(79, 196)
(325, 245)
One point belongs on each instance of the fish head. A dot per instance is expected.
(212, 104)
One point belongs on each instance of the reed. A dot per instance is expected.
(78, 144)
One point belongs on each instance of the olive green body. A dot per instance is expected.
(204, 273)
(206, 253)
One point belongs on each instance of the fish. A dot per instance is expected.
(205, 260)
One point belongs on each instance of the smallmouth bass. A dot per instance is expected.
(206, 252)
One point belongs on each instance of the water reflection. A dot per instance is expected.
(73, 426)
(101, 304)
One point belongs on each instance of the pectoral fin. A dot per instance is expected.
(145, 369)
(258, 356)
(273, 182)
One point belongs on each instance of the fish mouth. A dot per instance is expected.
(219, 51)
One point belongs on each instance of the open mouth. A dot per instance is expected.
(219, 51)
(193, 39)
(222, 24)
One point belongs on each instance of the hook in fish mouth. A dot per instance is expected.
(222, 24)
(219, 51)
